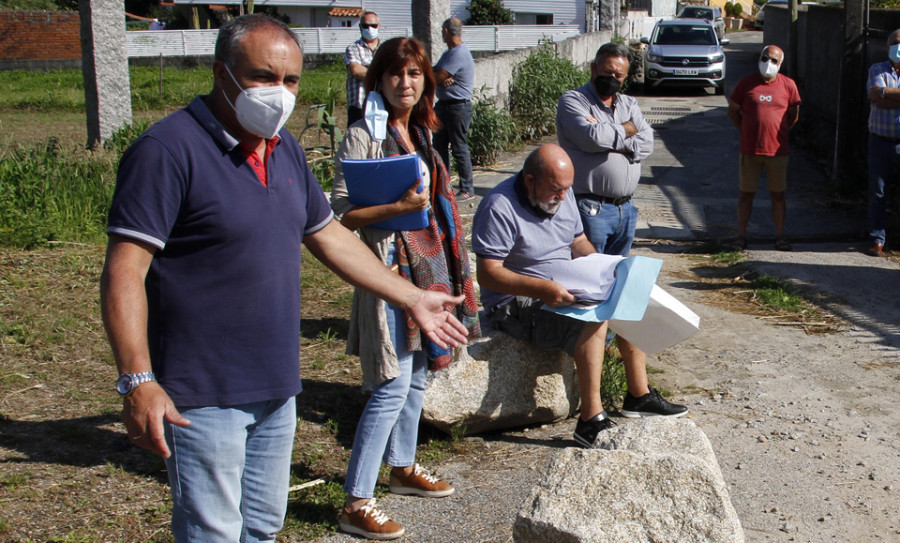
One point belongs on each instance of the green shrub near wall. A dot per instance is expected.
(491, 131)
(537, 84)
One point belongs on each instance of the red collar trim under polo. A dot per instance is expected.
(259, 165)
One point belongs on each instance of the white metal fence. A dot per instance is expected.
(329, 40)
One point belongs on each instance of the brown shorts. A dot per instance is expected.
(751, 167)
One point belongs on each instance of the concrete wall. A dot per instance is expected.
(496, 71)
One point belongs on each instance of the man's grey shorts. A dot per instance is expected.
(524, 319)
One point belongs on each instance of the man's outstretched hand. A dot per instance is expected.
(432, 312)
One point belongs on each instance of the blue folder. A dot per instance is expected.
(377, 181)
(635, 277)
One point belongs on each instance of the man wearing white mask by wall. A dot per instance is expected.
(884, 139)
(357, 57)
(200, 291)
(764, 106)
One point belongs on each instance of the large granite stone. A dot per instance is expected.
(501, 383)
(658, 487)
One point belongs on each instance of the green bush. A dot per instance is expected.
(536, 86)
(729, 9)
(489, 12)
(737, 9)
(491, 131)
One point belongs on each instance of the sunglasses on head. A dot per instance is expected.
(368, 25)
(764, 58)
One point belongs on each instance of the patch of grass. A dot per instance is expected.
(14, 480)
(175, 87)
(721, 254)
(312, 512)
(613, 384)
(776, 295)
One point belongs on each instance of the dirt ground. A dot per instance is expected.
(801, 412)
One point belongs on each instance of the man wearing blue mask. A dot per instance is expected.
(200, 291)
(357, 58)
(606, 136)
(764, 106)
(884, 138)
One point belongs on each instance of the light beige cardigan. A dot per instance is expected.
(369, 336)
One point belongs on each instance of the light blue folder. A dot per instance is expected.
(635, 277)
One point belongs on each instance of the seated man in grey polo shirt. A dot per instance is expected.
(522, 226)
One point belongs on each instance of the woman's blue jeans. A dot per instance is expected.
(388, 429)
(229, 471)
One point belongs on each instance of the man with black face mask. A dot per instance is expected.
(606, 136)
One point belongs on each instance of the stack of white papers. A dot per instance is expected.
(636, 308)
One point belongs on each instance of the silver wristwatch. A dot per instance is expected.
(127, 382)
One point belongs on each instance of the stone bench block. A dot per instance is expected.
(501, 383)
(658, 487)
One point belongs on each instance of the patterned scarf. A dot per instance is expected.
(435, 257)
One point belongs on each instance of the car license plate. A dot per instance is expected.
(679, 71)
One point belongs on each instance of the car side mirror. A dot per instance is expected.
(725, 41)
(645, 40)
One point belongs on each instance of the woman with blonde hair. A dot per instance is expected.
(399, 119)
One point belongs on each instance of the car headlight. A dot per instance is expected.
(717, 58)
(654, 58)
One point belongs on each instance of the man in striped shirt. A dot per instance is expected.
(884, 138)
(357, 58)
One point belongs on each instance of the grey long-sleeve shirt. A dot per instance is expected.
(606, 162)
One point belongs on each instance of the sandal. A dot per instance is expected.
(739, 243)
(782, 244)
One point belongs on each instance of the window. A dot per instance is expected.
(534, 18)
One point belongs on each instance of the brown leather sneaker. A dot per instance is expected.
(420, 483)
(370, 522)
(877, 249)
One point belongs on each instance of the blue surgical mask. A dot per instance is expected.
(894, 53)
(376, 116)
(369, 34)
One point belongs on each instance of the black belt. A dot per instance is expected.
(885, 138)
(453, 102)
(606, 200)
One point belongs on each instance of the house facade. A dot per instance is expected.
(398, 13)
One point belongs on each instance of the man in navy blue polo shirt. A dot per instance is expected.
(201, 287)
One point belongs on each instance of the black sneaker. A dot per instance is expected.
(586, 431)
(650, 405)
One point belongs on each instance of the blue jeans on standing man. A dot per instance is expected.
(388, 429)
(609, 227)
(456, 117)
(229, 471)
(884, 165)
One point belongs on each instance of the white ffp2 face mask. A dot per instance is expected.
(768, 69)
(262, 111)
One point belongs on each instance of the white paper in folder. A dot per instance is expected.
(666, 322)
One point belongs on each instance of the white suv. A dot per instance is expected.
(684, 52)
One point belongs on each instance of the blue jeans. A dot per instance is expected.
(610, 228)
(454, 135)
(388, 429)
(229, 471)
(884, 164)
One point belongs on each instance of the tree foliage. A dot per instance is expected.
(489, 12)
